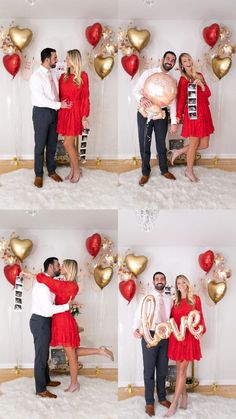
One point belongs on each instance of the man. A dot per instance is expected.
(160, 126)
(45, 100)
(155, 358)
(40, 326)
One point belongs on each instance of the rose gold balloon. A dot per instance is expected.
(160, 89)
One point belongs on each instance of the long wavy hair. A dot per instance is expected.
(76, 66)
(71, 268)
(195, 75)
(189, 294)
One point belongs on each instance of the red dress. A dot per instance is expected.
(64, 327)
(189, 349)
(203, 125)
(70, 120)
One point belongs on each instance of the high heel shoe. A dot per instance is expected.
(174, 155)
(191, 177)
(184, 402)
(107, 352)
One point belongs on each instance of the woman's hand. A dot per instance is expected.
(27, 275)
(178, 120)
(200, 83)
(85, 123)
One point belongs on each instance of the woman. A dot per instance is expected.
(73, 87)
(188, 349)
(64, 327)
(194, 108)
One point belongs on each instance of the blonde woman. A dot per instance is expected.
(74, 88)
(188, 349)
(64, 327)
(193, 107)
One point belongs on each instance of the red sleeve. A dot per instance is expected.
(85, 103)
(181, 97)
(60, 83)
(198, 306)
(207, 91)
(54, 285)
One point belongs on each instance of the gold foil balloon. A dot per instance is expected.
(136, 264)
(21, 248)
(20, 37)
(103, 65)
(103, 276)
(221, 66)
(138, 38)
(160, 89)
(147, 314)
(193, 320)
(216, 290)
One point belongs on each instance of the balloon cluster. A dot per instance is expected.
(216, 274)
(130, 43)
(12, 42)
(130, 268)
(13, 252)
(104, 48)
(104, 259)
(219, 57)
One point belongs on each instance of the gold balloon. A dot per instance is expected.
(221, 66)
(103, 65)
(103, 276)
(216, 290)
(136, 264)
(21, 248)
(20, 37)
(160, 89)
(138, 38)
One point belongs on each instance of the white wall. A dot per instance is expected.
(180, 36)
(98, 316)
(16, 137)
(218, 344)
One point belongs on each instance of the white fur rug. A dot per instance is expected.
(216, 189)
(97, 399)
(96, 189)
(199, 407)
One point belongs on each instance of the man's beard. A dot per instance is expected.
(57, 273)
(53, 65)
(167, 66)
(159, 287)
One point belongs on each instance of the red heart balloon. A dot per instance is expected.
(130, 64)
(211, 34)
(11, 272)
(93, 244)
(127, 289)
(206, 260)
(93, 33)
(11, 63)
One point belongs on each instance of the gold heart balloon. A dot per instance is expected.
(138, 38)
(21, 248)
(221, 66)
(20, 37)
(102, 276)
(103, 65)
(136, 264)
(216, 290)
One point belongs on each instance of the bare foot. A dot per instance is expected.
(184, 401)
(171, 411)
(106, 352)
(69, 176)
(73, 388)
(191, 176)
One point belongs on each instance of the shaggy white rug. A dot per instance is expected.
(96, 189)
(97, 399)
(216, 189)
(199, 407)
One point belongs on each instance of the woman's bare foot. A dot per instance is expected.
(73, 387)
(171, 411)
(106, 352)
(69, 176)
(184, 401)
(191, 176)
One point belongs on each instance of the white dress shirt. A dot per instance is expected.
(156, 318)
(44, 89)
(138, 91)
(43, 301)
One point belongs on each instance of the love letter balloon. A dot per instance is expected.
(211, 34)
(93, 33)
(130, 64)
(206, 260)
(11, 272)
(11, 63)
(93, 244)
(127, 289)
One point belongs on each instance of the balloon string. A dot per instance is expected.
(219, 111)
(216, 343)
(100, 119)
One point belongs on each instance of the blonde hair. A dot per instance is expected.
(182, 70)
(189, 294)
(76, 64)
(71, 268)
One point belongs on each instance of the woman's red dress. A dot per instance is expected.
(70, 120)
(64, 327)
(189, 349)
(203, 125)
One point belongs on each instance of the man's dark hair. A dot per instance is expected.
(169, 52)
(47, 262)
(46, 53)
(158, 273)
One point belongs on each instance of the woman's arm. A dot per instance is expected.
(53, 284)
(85, 103)
(181, 97)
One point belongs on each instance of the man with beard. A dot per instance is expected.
(160, 126)
(155, 358)
(45, 100)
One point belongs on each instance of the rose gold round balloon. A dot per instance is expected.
(160, 89)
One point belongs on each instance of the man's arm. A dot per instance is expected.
(47, 305)
(137, 90)
(37, 92)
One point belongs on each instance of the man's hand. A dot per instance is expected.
(65, 104)
(137, 334)
(73, 303)
(173, 128)
(145, 103)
